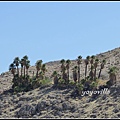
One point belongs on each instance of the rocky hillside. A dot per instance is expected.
(50, 102)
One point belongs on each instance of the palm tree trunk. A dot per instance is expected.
(37, 74)
(95, 74)
(99, 73)
(21, 70)
(85, 71)
(63, 74)
(24, 71)
(13, 72)
(33, 73)
(78, 74)
(68, 75)
(17, 71)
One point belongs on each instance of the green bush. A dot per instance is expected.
(83, 81)
(26, 83)
(79, 86)
(72, 83)
(45, 82)
(93, 85)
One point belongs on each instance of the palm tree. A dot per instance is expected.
(55, 75)
(86, 64)
(79, 60)
(43, 70)
(63, 68)
(27, 66)
(91, 74)
(102, 66)
(38, 66)
(68, 67)
(75, 74)
(92, 60)
(16, 62)
(112, 74)
(22, 64)
(95, 66)
(25, 58)
(12, 68)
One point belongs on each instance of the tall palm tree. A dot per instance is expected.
(38, 66)
(92, 60)
(22, 64)
(102, 66)
(27, 66)
(79, 60)
(43, 70)
(68, 67)
(75, 74)
(63, 68)
(12, 68)
(86, 64)
(17, 62)
(95, 66)
(91, 74)
(25, 58)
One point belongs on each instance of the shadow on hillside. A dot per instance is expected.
(66, 91)
(115, 91)
(8, 92)
(45, 89)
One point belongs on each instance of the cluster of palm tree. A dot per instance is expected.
(90, 77)
(23, 80)
(65, 68)
(25, 64)
(41, 69)
(89, 80)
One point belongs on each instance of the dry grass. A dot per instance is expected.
(101, 82)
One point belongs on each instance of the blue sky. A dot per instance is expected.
(55, 30)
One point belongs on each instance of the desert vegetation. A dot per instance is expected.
(22, 81)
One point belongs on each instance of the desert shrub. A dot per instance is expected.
(87, 85)
(71, 83)
(24, 84)
(93, 85)
(79, 87)
(61, 84)
(83, 81)
(44, 82)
